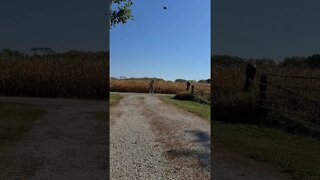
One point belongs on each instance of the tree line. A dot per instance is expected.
(49, 53)
(312, 61)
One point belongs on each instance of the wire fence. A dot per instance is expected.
(198, 91)
(296, 96)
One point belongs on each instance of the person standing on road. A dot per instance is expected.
(151, 89)
(188, 85)
(251, 71)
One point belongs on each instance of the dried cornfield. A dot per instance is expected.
(230, 80)
(41, 76)
(292, 91)
(142, 86)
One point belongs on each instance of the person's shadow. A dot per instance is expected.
(202, 156)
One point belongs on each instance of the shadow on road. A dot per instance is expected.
(201, 156)
(202, 137)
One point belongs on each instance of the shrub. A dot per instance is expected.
(184, 95)
(240, 107)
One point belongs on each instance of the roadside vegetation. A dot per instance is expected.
(115, 99)
(296, 155)
(289, 99)
(16, 120)
(103, 115)
(141, 85)
(243, 124)
(200, 109)
(72, 74)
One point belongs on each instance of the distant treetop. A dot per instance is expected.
(180, 80)
(227, 60)
(204, 81)
(42, 51)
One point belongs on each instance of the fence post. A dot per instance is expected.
(263, 89)
(192, 90)
(250, 74)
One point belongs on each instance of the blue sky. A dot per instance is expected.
(266, 29)
(168, 44)
(58, 24)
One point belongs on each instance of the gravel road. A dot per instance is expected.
(148, 140)
(152, 140)
(67, 143)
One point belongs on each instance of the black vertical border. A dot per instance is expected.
(211, 90)
(107, 86)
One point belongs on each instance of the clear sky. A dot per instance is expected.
(58, 24)
(273, 28)
(168, 44)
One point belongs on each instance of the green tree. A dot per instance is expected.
(120, 12)
(180, 80)
(11, 53)
(313, 61)
(291, 62)
(227, 60)
(204, 81)
(42, 51)
(265, 63)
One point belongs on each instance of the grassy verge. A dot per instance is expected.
(297, 155)
(101, 115)
(114, 99)
(16, 120)
(202, 110)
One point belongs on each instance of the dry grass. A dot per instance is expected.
(142, 86)
(228, 81)
(16, 120)
(54, 77)
(291, 152)
(294, 98)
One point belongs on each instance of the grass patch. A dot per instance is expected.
(202, 110)
(186, 95)
(241, 107)
(16, 120)
(114, 99)
(101, 115)
(297, 155)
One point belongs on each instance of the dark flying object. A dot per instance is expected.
(164, 7)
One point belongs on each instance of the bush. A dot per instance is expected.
(240, 107)
(244, 108)
(184, 95)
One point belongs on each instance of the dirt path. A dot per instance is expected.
(69, 142)
(150, 140)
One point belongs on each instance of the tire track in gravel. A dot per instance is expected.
(151, 140)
